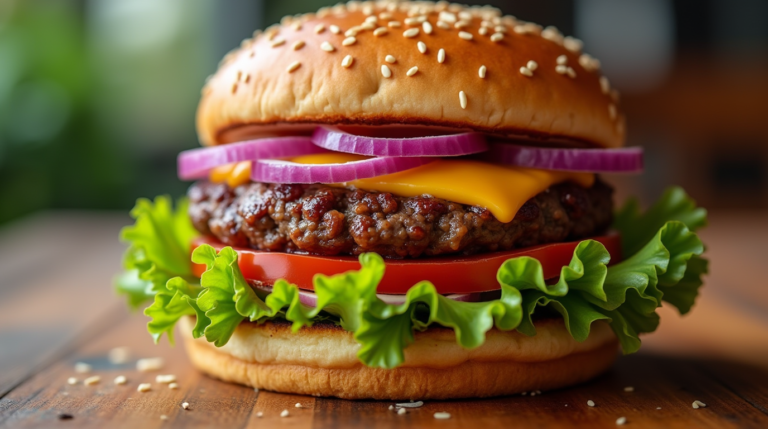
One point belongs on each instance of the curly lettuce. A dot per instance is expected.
(662, 263)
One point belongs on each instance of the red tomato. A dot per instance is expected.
(462, 274)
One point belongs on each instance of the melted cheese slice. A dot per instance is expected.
(499, 188)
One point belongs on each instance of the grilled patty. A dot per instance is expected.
(324, 220)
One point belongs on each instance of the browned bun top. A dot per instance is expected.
(454, 66)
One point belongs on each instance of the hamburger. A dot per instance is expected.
(401, 200)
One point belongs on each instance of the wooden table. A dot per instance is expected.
(57, 308)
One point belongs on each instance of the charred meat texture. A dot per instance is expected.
(325, 220)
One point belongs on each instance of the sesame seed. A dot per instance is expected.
(277, 42)
(298, 405)
(173, 386)
(496, 37)
(447, 17)
(296, 26)
(165, 379)
(463, 99)
(394, 24)
(698, 404)
(385, 15)
(118, 355)
(391, 407)
(319, 28)
(234, 88)
(367, 26)
(562, 59)
(465, 15)
(482, 31)
(461, 24)
(561, 69)
(347, 61)
(422, 47)
(612, 111)
(401, 411)
(412, 21)
(82, 368)
(352, 32)
(573, 44)
(464, 35)
(327, 47)
(444, 25)
(427, 27)
(298, 45)
(349, 41)
(571, 72)
(412, 71)
(72, 381)
(532, 65)
(605, 85)
(621, 421)
(92, 380)
(481, 72)
(441, 56)
(293, 66)
(149, 364)
(380, 31)
(591, 403)
(260, 414)
(247, 78)
(185, 405)
(658, 408)
(284, 413)
(411, 32)
(589, 63)
(163, 417)
(334, 29)
(120, 380)
(371, 19)
(144, 387)
(442, 415)
(629, 389)
(390, 59)
(386, 72)
(500, 29)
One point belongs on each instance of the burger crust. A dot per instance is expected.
(321, 361)
(282, 76)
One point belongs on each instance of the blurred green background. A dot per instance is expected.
(97, 97)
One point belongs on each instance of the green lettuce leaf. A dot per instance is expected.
(177, 300)
(662, 263)
(637, 228)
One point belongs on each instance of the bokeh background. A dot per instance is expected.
(98, 96)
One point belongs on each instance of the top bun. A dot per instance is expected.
(476, 70)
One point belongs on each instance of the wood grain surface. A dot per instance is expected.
(57, 308)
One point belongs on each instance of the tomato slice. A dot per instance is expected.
(462, 274)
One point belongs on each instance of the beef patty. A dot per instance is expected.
(324, 220)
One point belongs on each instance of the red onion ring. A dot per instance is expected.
(274, 171)
(624, 160)
(196, 163)
(447, 145)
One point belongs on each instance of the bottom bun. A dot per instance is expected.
(321, 361)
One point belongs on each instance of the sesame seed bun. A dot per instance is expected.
(321, 361)
(454, 67)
